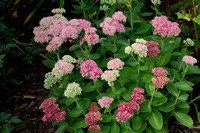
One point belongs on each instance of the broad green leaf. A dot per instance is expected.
(4, 117)
(67, 101)
(80, 53)
(104, 129)
(144, 28)
(15, 119)
(183, 86)
(75, 112)
(193, 70)
(172, 88)
(78, 123)
(184, 119)
(175, 73)
(110, 46)
(156, 120)
(150, 88)
(197, 19)
(167, 107)
(183, 105)
(165, 59)
(115, 128)
(198, 116)
(183, 97)
(74, 47)
(88, 88)
(94, 56)
(136, 123)
(106, 118)
(49, 63)
(157, 101)
(183, 15)
(2, 56)
(147, 14)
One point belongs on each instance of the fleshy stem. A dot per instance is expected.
(138, 70)
(154, 91)
(178, 71)
(134, 57)
(97, 88)
(114, 41)
(185, 72)
(58, 55)
(77, 102)
(194, 100)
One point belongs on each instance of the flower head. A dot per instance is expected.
(156, 2)
(69, 59)
(73, 89)
(105, 102)
(189, 60)
(140, 49)
(153, 49)
(159, 71)
(128, 50)
(92, 117)
(141, 41)
(188, 42)
(58, 10)
(119, 16)
(110, 76)
(94, 107)
(47, 103)
(115, 64)
(90, 68)
(160, 81)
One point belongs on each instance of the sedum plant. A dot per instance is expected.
(114, 81)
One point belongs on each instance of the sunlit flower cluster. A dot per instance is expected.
(112, 25)
(115, 64)
(72, 90)
(139, 49)
(105, 102)
(110, 76)
(164, 27)
(58, 11)
(90, 36)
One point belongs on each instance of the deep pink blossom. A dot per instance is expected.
(92, 117)
(94, 127)
(153, 49)
(159, 71)
(160, 81)
(124, 112)
(59, 116)
(47, 103)
(90, 68)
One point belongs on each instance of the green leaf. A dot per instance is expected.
(183, 97)
(157, 101)
(150, 88)
(167, 107)
(175, 73)
(2, 56)
(79, 54)
(15, 119)
(198, 116)
(193, 70)
(183, 105)
(183, 86)
(156, 120)
(62, 127)
(184, 119)
(95, 56)
(197, 19)
(49, 63)
(67, 101)
(89, 88)
(109, 46)
(78, 123)
(4, 117)
(165, 59)
(136, 123)
(172, 88)
(144, 28)
(106, 118)
(104, 129)
(115, 128)
(74, 47)
(146, 77)
(183, 15)
(75, 112)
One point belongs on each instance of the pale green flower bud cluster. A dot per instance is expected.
(188, 42)
(50, 80)
(141, 41)
(128, 50)
(105, 4)
(110, 76)
(73, 89)
(156, 2)
(69, 59)
(140, 49)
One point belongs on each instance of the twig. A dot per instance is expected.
(44, 56)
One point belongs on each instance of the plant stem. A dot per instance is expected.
(77, 102)
(97, 88)
(185, 72)
(58, 55)
(194, 99)
(138, 71)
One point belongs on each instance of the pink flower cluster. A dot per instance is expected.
(105, 102)
(115, 64)
(90, 36)
(112, 25)
(51, 111)
(161, 77)
(140, 49)
(189, 60)
(90, 68)
(164, 27)
(92, 117)
(126, 110)
(56, 30)
(62, 67)
(153, 49)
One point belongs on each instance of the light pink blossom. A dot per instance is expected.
(105, 102)
(153, 49)
(115, 64)
(189, 60)
(159, 71)
(119, 16)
